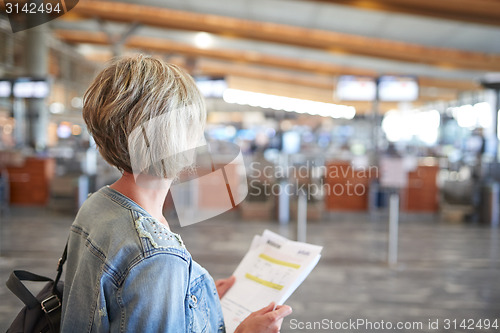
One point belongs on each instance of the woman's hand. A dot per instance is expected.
(223, 285)
(265, 320)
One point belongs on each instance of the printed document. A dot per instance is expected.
(270, 272)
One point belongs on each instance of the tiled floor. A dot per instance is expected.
(444, 272)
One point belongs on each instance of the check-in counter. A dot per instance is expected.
(30, 182)
(347, 188)
(422, 192)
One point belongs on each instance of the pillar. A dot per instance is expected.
(36, 65)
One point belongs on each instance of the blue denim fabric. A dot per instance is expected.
(126, 272)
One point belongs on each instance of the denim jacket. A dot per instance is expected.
(126, 272)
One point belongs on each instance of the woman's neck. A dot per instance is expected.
(149, 193)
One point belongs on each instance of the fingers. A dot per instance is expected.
(275, 318)
(231, 280)
(265, 320)
(224, 285)
(281, 312)
(265, 309)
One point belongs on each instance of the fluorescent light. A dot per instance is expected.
(243, 97)
(203, 40)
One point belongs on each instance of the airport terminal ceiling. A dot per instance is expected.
(448, 45)
(300, 46)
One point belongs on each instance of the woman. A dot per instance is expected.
(126, 271)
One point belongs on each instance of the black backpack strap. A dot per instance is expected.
(19, 289)
(60, 265)
(49, 307)
(52, 303)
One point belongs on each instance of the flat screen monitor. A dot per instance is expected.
(356, 88)
(211, 87)
(491, 80)
(30, 88)
(397, 88)
(5, 88)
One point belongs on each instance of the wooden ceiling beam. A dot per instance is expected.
(245, 57)
(213, 68)
(473, 11)
(168, 46)
(285, 34)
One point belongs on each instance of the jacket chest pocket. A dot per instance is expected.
(198, 311)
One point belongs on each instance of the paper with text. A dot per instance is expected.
(270, 272)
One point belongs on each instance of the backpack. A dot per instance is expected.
(42, 312)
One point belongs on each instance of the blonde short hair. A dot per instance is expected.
(140, 110)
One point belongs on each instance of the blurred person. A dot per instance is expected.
(126, 270)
